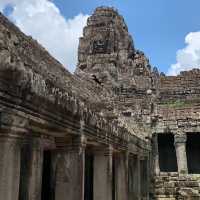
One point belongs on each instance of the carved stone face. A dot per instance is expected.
(100, 46)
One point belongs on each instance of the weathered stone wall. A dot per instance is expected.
(182, 87)
(177, 112)
(171, 186)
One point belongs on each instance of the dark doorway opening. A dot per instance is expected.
(89, 175)
(167, 153)
(24, 172)
(47, 177)
(193, 153)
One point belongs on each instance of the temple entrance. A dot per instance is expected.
(167, 153)
(47, 193)
(89, 175)
(193, 152)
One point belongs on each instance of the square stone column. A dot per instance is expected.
(70, 172)
(121, 176)
(144, 175)
(31, 170)
(9, 168)
(134, 177)
(103, 174)
(180, 146)
(138, 163)
(156, 165)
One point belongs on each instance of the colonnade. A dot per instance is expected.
(116, 175)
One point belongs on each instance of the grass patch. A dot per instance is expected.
(177, 103)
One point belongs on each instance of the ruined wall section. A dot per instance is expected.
(177, 112)
(172, 186)
(178, 102)
(185, 86)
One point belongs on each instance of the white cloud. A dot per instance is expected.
(188, 57)
(43, 21)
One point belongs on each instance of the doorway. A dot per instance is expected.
(47, 192)
(89, 175)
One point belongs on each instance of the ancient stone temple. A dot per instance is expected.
(116, 129)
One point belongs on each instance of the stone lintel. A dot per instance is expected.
(75, 144)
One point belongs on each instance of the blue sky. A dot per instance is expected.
(160, 28)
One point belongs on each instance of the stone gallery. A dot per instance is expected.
(116, 129)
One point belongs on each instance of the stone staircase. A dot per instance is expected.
(172, 186)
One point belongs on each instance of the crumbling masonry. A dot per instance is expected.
(115, 130)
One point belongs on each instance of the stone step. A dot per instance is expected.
(188, 192)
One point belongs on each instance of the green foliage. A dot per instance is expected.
(177, 103)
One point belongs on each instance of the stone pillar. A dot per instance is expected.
(9, 168)
(156, 165)
(149, 186)
(134, 177)
(121, 176)
(35, 180)
(31, 170)
(144, 179)
(138, 177)
(70, 171)
(180, 146)
(103, 174)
